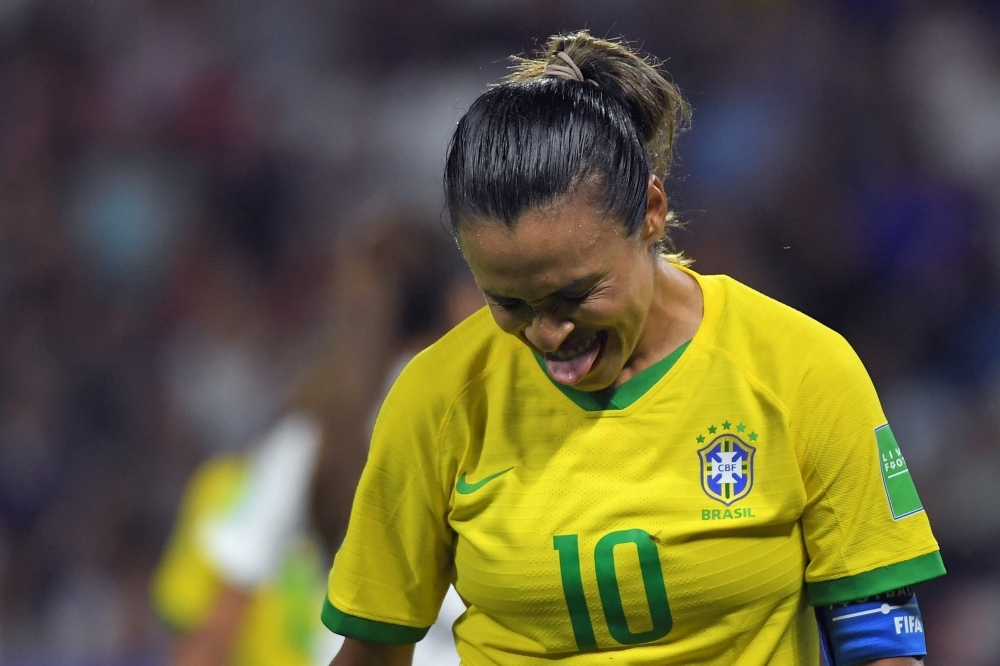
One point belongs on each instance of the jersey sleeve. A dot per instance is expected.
(865, 529)
(394, 567)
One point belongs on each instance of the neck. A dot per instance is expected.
(674, 316)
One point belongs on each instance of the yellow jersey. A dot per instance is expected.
(693, 515)
(279, 627)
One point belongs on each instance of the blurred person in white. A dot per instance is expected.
(241, 581)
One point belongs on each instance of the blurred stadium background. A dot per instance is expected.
(180, 181)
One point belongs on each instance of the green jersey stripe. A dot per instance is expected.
(624, 395)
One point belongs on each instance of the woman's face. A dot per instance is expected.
(569, 283)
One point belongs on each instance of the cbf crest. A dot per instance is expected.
(727, 468)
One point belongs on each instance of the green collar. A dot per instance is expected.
(624, 395)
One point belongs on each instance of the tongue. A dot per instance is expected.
(573, 370)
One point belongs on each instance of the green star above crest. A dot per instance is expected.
(753, 437)
(712, 429)
(725, 425)
(701, 439)
(741, 427)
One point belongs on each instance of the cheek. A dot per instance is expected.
(618, 308)
(605, 313)
(627, 310)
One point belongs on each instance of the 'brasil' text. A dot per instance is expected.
(725, 514)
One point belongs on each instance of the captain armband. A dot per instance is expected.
(877, 627)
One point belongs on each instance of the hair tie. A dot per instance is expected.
(569, 71)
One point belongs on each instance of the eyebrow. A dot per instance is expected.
(565, 291)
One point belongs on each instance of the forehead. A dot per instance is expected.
(545, 250)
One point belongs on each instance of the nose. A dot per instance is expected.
(546, 332)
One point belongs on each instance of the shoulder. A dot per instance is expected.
(439, 375)
(774, 343)
(747, 316)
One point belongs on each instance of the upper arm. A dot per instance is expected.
(360, 653)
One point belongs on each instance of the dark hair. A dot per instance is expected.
(533, 137)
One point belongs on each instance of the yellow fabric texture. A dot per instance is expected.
(477, 403)
(279, 624)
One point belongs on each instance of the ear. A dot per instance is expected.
(656, 211)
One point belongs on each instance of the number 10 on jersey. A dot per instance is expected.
(568, 546)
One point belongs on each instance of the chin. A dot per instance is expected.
(595, 387)
(597, 379)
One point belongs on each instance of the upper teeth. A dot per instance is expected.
(566, 354)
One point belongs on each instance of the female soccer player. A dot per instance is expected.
(621, 460)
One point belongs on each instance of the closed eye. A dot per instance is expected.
(509, 304)
(570, 298)
(577, 299)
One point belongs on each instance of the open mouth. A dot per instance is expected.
(571, 362)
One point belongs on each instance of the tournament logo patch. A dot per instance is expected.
(727, 468)
(899, 488)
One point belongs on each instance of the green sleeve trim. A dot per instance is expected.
(876, 581)
(372, 631)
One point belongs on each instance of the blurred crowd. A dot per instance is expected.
(185, 187)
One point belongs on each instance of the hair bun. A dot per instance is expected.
(654, 104)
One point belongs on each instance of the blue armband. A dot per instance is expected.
(878, 627)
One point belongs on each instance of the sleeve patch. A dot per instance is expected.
(896, 479)
(372, 631)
